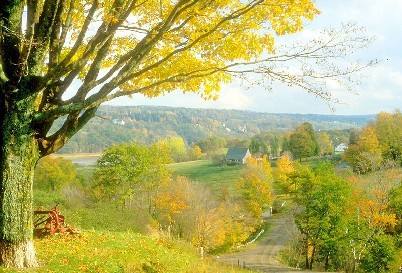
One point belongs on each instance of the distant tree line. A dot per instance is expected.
(114, 125)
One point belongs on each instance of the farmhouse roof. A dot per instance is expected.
(236, 153)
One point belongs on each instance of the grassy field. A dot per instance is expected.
(206, 172)
(109, 252)
(385, 179)
(110, 240)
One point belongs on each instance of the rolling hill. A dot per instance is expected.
(116, 124)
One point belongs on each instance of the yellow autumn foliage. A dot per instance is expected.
(372, 210)
(191, 41)
(368, 141)
(285, 167)
(255, 186)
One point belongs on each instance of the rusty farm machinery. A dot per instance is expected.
(50, 222)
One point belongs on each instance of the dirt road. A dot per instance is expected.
(263, 255)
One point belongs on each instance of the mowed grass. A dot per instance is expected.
(111, 252)
(215, 176)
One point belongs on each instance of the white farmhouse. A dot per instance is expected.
(341, 148)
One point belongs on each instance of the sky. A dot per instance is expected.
(380, 88)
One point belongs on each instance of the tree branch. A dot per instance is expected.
(42, 35)
(10, 38)
(142, 48)
(55, 38)
(81, 35)
(71, 126)
(102, 40)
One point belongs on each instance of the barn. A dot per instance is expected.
(237, 156)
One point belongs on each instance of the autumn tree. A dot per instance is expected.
(303, 142)
(322, 197)
(368, 141)
(53, 173)
(388, 127)
(255, 186)
(176, 146)
(172, 200)
(195, 152)
(345, 226)
(325, 143)
(285, 169)
(365, 155)
(371, 217)
(61, 59)
(378, 144)
(191, 211)
(123, 169)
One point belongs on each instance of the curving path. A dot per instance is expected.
(263, 255)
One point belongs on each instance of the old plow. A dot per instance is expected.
(50, 222)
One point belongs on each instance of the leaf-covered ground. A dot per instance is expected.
(120, 252)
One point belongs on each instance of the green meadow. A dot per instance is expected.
(215, 176)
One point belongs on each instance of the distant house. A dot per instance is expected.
(119, 122)
(341, 148)
(237, 156)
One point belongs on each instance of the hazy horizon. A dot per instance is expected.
(242, 110)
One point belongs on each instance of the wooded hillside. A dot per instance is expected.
(149, 123)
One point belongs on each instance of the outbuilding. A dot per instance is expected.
(237, 156)
(341, 148)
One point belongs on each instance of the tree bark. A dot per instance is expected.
(307, 256)
(18, 156)
(312, 258)
(326, 266)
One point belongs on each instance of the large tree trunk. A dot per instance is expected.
(18, 156)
